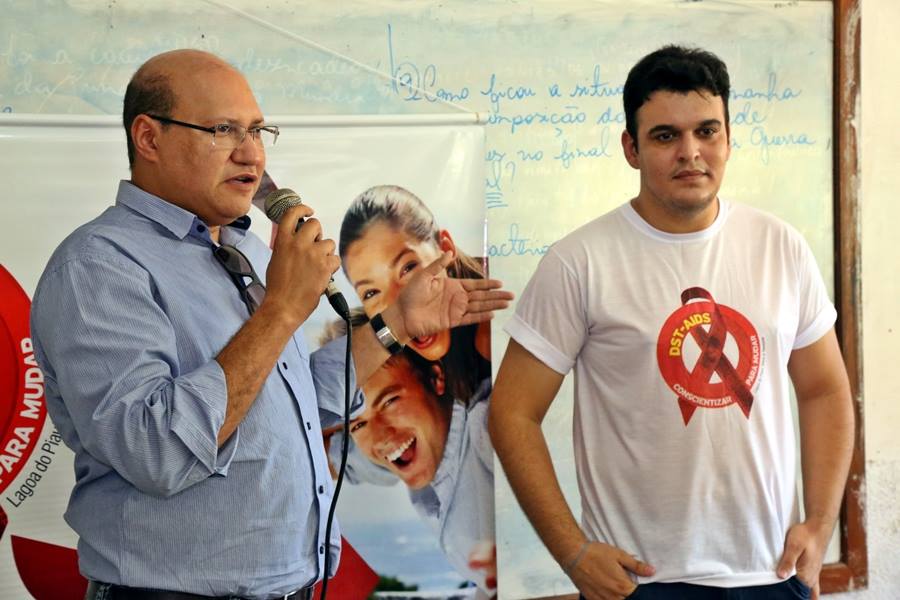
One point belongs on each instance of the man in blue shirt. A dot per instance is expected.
(200, 470)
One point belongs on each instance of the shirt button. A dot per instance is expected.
(321, 489)
(308, 425)
(201, 228)
(284, 364)
(321, 549)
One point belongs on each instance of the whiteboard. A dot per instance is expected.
(546, 76)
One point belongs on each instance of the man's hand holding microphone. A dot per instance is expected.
(302, 264)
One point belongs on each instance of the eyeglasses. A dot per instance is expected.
(226, 135)
(240, 269)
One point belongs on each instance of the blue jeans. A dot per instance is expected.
(789, 589)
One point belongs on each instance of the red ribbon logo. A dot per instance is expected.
(713, 380)
(22, 410)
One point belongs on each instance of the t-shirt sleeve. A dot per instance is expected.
(550, 319)
(817, 312)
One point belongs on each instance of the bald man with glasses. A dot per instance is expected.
(175, 365)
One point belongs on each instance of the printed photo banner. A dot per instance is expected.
(407, 192)
(417, 507)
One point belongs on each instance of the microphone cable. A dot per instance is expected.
(276, 203)
(345, 447)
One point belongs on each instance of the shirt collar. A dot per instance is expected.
(177, 220)
(638, 222)
(434, 497)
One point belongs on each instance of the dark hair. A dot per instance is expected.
(422, 369)
(464, 368)
(146, 94)
(404, 211)
(674, 69)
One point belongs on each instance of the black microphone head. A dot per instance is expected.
(278, 201)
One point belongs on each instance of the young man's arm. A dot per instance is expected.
(524, 390)
(826, 444)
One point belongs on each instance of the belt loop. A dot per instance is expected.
(101, 591)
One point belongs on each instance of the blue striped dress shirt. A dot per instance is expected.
(127, 319)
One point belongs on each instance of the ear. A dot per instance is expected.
(629, 148)
(145, 137)
(438, 384)
(445, 242)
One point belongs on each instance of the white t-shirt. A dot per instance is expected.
(685, 454)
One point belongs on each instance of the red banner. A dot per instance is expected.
(22, 408)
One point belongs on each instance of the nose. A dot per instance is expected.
(249, 152)
(382, 435)
(370, 439)
(689, 149)
(393, 291)
(387, 298)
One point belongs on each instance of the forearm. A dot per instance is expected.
(329, 362)
(136, 405)
(825, 412)
(368, 353)
(826, 444)
(522, 448)
(248, 359)
(523, 393)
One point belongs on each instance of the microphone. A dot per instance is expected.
(277, 203)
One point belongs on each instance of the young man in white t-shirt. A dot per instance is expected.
(686, 318)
